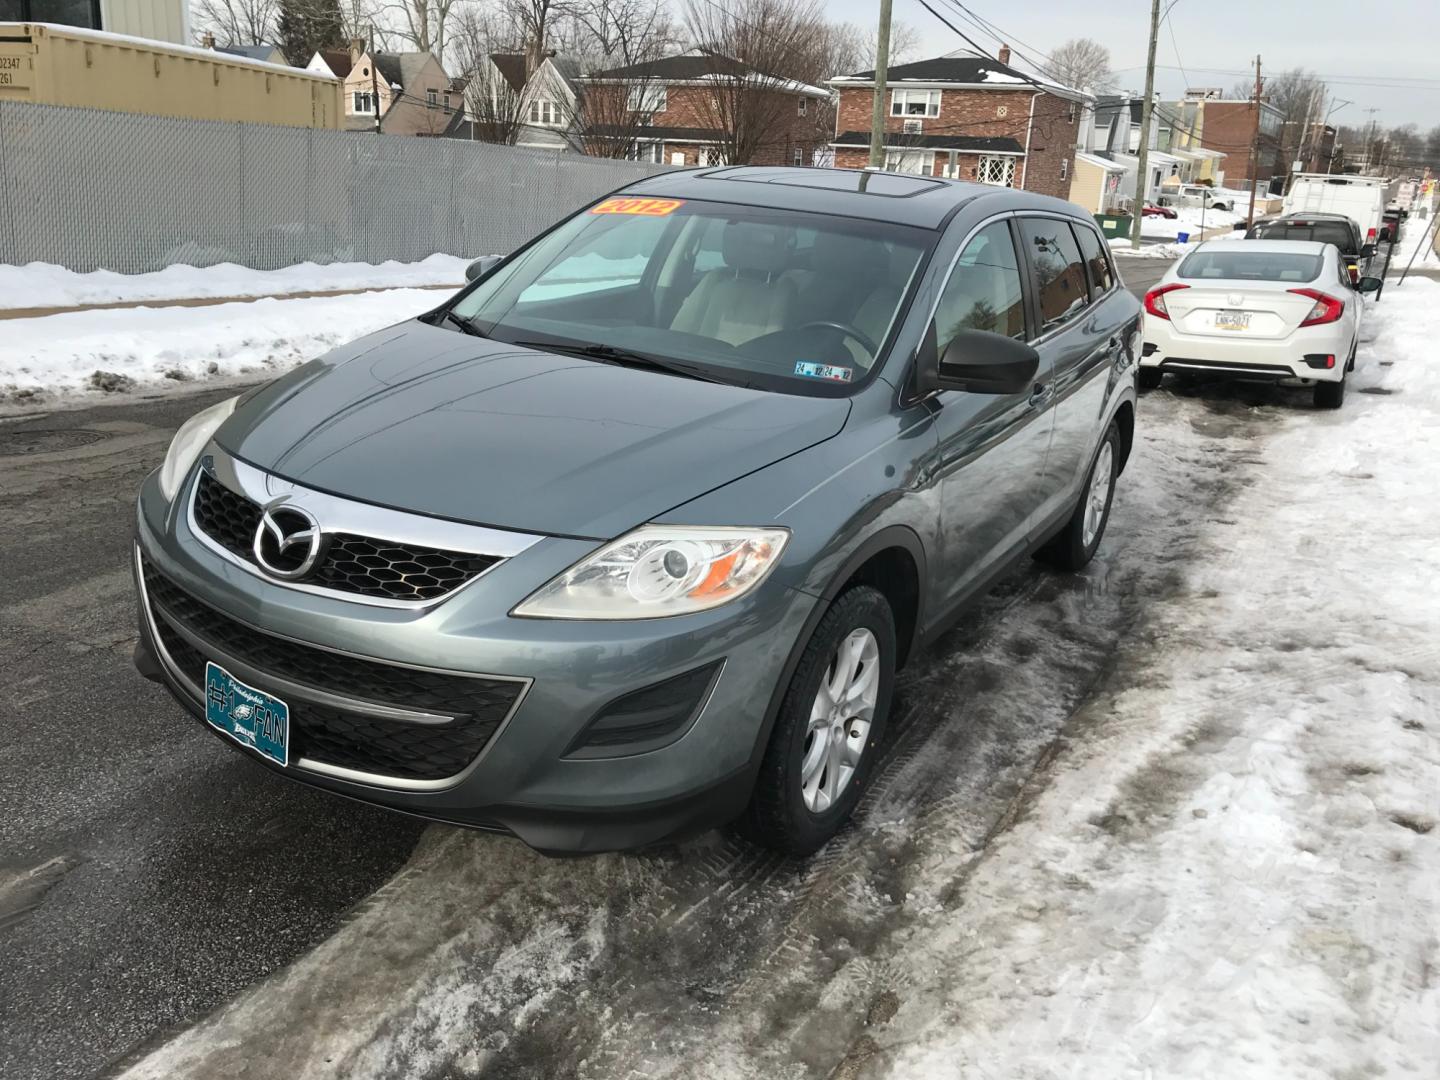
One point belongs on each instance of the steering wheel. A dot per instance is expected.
(847, 331)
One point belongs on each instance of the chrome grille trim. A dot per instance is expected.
(339, 515)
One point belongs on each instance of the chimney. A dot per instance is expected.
(357, 49)
(207, 40)
(1004, 56)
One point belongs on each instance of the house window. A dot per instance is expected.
(800, 108)
(915, 103)
(918, 162)
(362, 101)
(999, 171)
(544, 112)
(1071, 113)
(432, 98)
(647, 97)
(798, 159)
(448, 107)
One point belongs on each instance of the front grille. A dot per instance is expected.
(322, 733)
(347, 563)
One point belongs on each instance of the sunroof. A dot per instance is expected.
(887, 184)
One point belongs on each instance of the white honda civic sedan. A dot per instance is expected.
(1257, 309)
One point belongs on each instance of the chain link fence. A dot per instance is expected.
(88, 190)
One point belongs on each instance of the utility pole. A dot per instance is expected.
(1142, 172)
(1255, 147)
(374, 80)
(1369, 138)
(882, 75)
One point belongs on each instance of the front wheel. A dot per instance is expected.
(823, 746)
(1074, 545)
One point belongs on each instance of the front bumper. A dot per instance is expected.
(1244, 358)
(526, 777)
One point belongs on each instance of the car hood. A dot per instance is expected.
(429, 420)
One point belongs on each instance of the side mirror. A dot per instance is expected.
(977, 362)
(482, 266)
(1368, 284)
(1367, 251)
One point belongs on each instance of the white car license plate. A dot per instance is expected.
(1232, 320)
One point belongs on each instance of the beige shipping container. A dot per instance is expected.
(61, 65)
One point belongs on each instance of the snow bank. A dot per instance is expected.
(123, 348)
(42, 285)
(1188, 221)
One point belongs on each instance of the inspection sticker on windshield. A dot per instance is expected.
(647, 207)
(823, 371)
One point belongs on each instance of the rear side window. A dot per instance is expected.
(1251, 265)
(1327, 232)
(1102, 278)
(1059, 271)
(984, 291)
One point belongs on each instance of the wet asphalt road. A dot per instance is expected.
(146, 875)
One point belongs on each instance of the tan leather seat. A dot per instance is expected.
(746, 298)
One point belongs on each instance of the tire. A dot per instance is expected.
(1330, 395)
(781, 815)
(1074, 545)
(1151, 378)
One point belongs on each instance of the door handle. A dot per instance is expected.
(1038, 395)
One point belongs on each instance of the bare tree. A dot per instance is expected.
(494, 105)
(762, 52)
(424, 25)
(238, 22)
(619, 32)
(852, 46)
(1300, 96)
(1080, 63)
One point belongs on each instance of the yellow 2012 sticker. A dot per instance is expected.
(647, 207)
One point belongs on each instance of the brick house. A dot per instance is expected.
(968, 117)
(1204, 119)
(679, 110)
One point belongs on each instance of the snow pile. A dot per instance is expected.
(1235, 873)
(124, 348)
(1149, 251)
(44, 285)
(1189, 220)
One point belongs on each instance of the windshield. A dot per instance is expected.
(1251, 266)
(776, 299)
(1322, 232)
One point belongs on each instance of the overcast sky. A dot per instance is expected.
(1350, 42)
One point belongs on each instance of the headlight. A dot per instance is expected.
(660, 570)
(188, 442)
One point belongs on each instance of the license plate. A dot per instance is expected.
(251, 717)
(1232, 320)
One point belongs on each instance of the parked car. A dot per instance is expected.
(1278, 310)
(1151, 210)
(1198, 195)
(629, 538)
(1337, 229)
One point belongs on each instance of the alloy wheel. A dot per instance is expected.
(840, 719)
(1098, 497)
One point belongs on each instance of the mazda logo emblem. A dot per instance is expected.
(287, 542)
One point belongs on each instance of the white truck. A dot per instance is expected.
(1360, 198)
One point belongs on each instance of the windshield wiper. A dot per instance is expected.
(609, 354)
(465, 324)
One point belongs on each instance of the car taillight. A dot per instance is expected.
(1327, 309)
(1155, 300)
(1370, 236)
